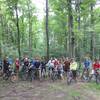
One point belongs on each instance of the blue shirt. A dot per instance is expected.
(10, 60)
(87, 63)
(33, 62)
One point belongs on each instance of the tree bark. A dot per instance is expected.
(92, 34)
(0, 35)
(47, 31)
(77, 7)
(18, 32)
(30, 29)
(70, 30)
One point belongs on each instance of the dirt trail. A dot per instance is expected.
(46, 91)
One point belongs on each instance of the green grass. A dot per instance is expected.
(74, 93)
(94, 86)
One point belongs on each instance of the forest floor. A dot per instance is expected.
(48, 90)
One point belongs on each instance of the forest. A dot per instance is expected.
(65, 28)
(49, 49)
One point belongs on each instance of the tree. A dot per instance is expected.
(70, 30)
(18, 31)
(92, 32)
(47, 31)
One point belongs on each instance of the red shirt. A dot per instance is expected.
(96, 66)
(56, 62)
(17, 64)
(99, 65)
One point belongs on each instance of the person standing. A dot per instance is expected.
(86, 67)
(73, 68)
(17, 65)
(5, 65)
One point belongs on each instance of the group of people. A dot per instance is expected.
(87, 67)
(63, 66)
(60, 65)
(24, 65)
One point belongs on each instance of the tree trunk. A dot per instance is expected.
(70, 30)
(18, 32)
(77, 7)
(47, 31)
(92, 33)
(66, 43)
(30, 29)
(0, 35)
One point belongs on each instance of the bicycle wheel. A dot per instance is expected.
(54, 76)
(13, 78)
(98, 79)
(32, 75)
(68, 80)
(69, 77)
(5, 77)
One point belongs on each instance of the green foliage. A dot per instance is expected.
(58, 28)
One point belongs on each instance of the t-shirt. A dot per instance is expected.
(10, 60)
(87, 63)
(26, 63)
(66, 65)
(73, 66)
(43, 63)
(37, 64)
(96, 66)
(17, 63)
(56, 62)
(6, 65)
(33, 62)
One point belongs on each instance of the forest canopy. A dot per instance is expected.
(66, 28)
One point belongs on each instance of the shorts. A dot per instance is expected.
(67, 70)
(74, 72)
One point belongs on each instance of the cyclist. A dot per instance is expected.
(86, 67)
(73, 68)
(50, 66)
(33, 63)
(43, 67)
(60, 69)
(17, 65)
(96, 67)
(56, 63)
(5, 65)
(26, 62)
(37, 66)
(32, 69)
(96, 64)
(25, 68)
(66, 65)
(7, 70)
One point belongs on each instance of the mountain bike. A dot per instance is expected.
(85, 76)
(95, 76)
(69, 77)
(54, 75)
(10, 75)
